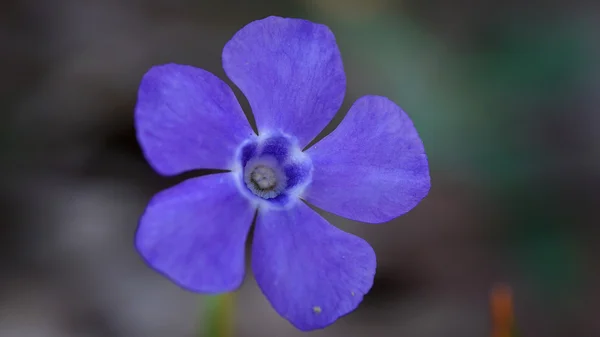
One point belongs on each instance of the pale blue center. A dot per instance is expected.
(273, 170)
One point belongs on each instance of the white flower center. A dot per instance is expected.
(263, 177)
(272, 170)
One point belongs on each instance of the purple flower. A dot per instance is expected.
(372, 168)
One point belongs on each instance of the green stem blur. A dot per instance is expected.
(219, 316)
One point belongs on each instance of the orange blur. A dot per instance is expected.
(501, 302)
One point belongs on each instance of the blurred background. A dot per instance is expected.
(505, 95)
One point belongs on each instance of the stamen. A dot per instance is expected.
(264, 177)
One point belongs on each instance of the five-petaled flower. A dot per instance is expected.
(372, 168)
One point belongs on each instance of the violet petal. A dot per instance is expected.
(291, 72)
(195, 232)
(187, 118)
(373, 167)
(310, 271)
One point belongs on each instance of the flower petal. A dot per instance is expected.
(187, 118)
(310, 271)
(291, 72)
(195, 233)
(373, 167)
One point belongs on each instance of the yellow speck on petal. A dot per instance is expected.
(352, 293)
(317, 310)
